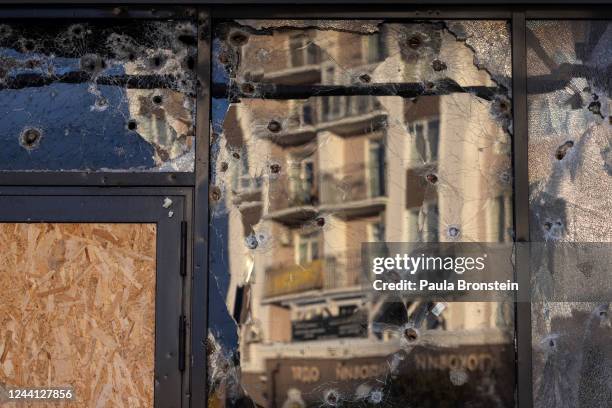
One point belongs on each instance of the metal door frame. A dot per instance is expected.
(97, 205)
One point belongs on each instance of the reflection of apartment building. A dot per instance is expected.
(343, 170)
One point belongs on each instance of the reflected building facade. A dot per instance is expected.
(304, 182)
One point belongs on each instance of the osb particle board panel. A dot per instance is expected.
(77, 307)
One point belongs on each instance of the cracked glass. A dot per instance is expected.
(329, 134)
(569, 93)
(97, 96)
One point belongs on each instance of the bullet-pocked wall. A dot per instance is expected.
(97, 95)
(328, 134)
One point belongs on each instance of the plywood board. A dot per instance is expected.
(77, 308)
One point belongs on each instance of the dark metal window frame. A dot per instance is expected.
(194, 186)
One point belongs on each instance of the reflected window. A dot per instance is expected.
(376, 167)
(422, 224)
(376, 232)
(302, 51)
(307, 248)
(375, 47)
(307, 114)
(426, 133)
(302, 182)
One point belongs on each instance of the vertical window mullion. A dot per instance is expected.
(521, 208)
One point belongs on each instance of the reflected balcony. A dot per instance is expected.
(351, 115)
(293, 206)
(247, 190)
(294, 135)
(298, 129)
(355, 190)
(303, 65)
(343, 271)
(286, 279)
(304, 74)
(336, 274)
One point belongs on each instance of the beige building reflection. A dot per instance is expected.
(318, 177)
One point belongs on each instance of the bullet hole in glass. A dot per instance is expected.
(503, 106)
(236, 155)
(157, 61)
(251, 241)
(224, 57)
(28, 45)
(438, 65)
(432, 178)
(92, 63)
(132, 124)
(550, 225)
(30, 138)
(215, 193)
(551, 343)
(411, 334)
(595, 106)
(224, 167)
(77, 31)
(415, 42)
(100, 104)
(274, 126)
(320, 221)
(157, 99)
(458, 377)
(275, 168)
(375, 397)
(453, 232)
(505, 177)
(365, 78)
(238, 38)
(563, 149)
(428, 86)
(332, 398)
(247, 88)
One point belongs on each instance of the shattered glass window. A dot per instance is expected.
(570, 164)
(329, 134)
(97, 96)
